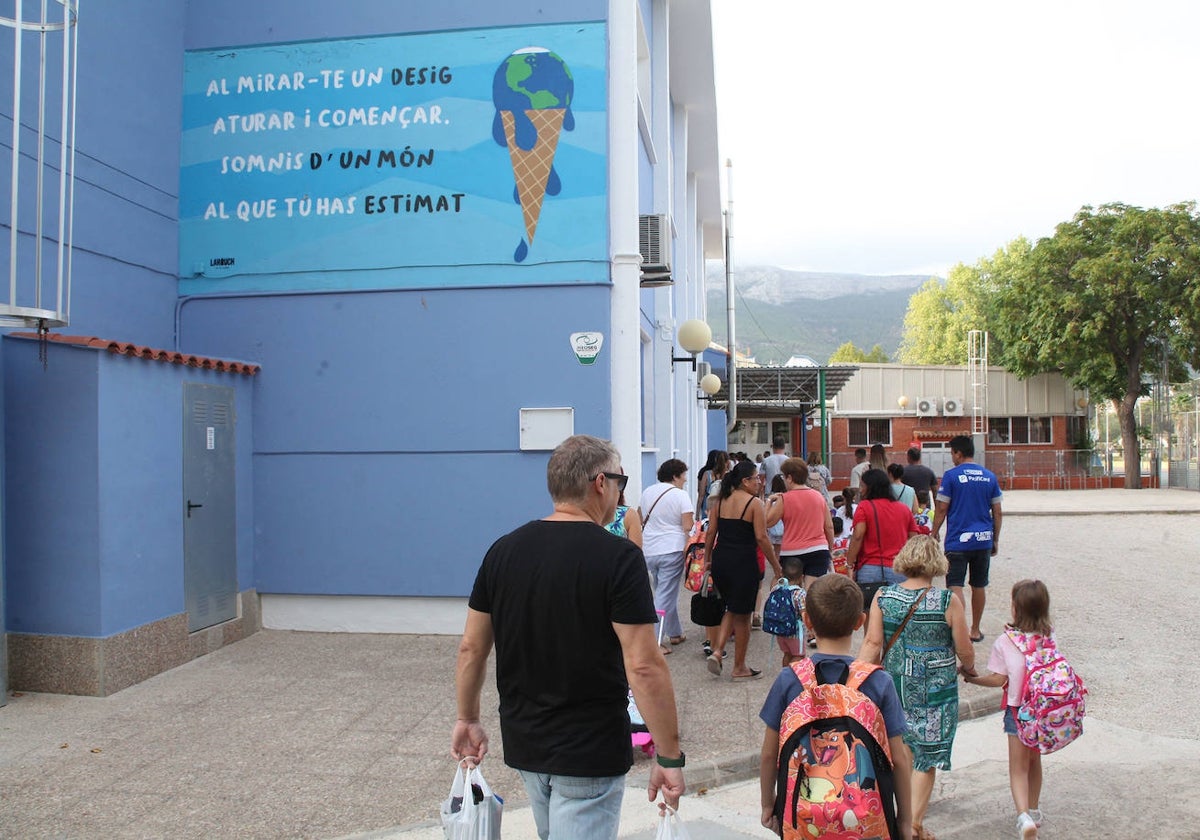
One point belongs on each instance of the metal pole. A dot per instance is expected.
(16, 155)
(730, 318)
(824, 417)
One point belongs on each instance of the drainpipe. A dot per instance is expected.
(824, 417)
(625, 375)
(731, 368)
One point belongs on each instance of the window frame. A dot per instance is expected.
(872, 437)
(1010, 428)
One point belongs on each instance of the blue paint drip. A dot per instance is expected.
(522, 252)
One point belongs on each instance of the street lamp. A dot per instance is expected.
(694, 336)
(710, 383)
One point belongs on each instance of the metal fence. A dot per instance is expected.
(1043, 469)
(1065, 469)
(1183, 470)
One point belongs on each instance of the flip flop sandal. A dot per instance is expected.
(977, 639)
(754, 674)
(920, 833)
(678, 640)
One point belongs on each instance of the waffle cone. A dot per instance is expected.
(532, 168)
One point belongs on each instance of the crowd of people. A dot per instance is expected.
(863, 556)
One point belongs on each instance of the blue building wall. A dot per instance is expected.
(216, 23)
(378, 447)
(126, 190)
(52, 568)
(386, 434)
(95, 492)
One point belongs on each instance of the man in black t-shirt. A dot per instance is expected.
(916, 475)
(569, 609)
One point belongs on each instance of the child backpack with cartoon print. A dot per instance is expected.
(835, 764)
(1053, 697)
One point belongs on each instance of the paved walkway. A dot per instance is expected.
(327, 735)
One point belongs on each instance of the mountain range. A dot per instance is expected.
(781, 313)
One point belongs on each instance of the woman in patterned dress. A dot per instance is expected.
(923, 655)
(625, 524)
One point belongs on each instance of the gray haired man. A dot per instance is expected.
(546, 593)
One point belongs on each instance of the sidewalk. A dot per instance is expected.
(969, 803)
(331, 735)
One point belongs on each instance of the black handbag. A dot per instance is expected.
(708, 607)
(869, 590)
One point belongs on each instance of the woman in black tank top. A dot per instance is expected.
(739, 529)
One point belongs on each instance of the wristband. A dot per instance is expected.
(663, 761)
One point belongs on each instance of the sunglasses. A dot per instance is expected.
(620, 478)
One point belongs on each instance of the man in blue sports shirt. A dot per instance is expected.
(968, 501)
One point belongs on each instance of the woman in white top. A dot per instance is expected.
(901, 492)
(667, 518)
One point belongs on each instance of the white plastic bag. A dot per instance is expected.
(471, 811)
(670, 827)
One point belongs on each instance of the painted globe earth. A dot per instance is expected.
(532, 79)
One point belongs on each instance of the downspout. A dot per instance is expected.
(625, 373)
(824, 416)
(731, 338)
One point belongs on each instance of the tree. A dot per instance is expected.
(848, 353)
(940, 315)
(1110, 299)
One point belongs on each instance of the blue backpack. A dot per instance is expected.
(780, 617)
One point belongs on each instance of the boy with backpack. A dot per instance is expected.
(783, 611)
(834, 762)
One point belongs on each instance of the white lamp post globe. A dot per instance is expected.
(710, 383)
(902, 402)
(694, 336)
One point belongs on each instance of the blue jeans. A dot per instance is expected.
(873, 573)
(575, 806)
(666, 573)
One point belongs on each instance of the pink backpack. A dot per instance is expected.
(1053, 696)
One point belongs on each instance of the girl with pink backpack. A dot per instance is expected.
(1044, 697)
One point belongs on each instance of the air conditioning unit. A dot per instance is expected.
(927, 406)
(654, 243)
(952, 406)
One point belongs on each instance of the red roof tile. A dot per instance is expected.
(150, 353)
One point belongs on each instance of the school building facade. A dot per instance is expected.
(1033, 433)
(342, 278)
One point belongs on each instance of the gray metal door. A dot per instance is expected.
(209, 539)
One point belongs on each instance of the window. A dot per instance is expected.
(1019, 430)
(756, 436)
(868, 431)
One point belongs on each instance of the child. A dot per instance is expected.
(1030, 614)
(793, 645)
(775, 532)
(840, 546)
(923, 513)
(833, 611)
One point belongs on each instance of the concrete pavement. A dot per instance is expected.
(328, 735)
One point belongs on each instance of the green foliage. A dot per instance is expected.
(940, 315)
(1105, 299)
(1110, 300)
(848, 353)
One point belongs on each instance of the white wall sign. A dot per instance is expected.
(587, 346)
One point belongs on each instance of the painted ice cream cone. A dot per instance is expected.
(532, 90)
(532, 168)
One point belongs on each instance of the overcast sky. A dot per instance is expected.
(902, 138)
